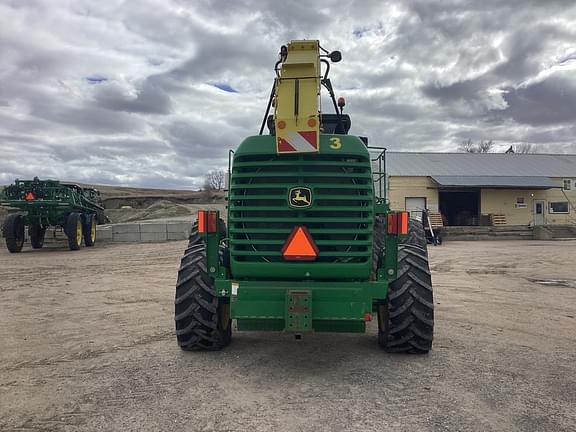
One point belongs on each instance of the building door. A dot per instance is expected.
(538, 212)
(460, 207)
(415, 206)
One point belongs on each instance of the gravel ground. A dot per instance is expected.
(87, 344)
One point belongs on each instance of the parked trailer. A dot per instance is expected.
(49, 203)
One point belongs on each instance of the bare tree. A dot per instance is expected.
(214, 180)
(485, 146)
(468, 146)
(524, 148)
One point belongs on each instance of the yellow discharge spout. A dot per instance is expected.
(296, 114)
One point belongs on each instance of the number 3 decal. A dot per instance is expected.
(336, 144)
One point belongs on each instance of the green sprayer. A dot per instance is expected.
(49, 203)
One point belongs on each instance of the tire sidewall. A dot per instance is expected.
(37, 234)
(413, 269)
(14, 232)
(210, 338)
(87, 222)
(72, 222)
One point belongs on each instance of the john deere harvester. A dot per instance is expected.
(310, 244)
(49, 203)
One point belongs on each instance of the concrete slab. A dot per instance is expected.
(125, 228)
(130, 237)
(153, 236)
(153, 228)
(104, 233)
(177, 236)
(179, 227)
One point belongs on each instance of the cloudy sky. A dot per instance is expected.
(154, 92)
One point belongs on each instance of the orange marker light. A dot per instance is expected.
(300, 246)
(201, 221)
(281, 124)
(403, 228)
(212, 222)
(311, 122)
(397, 223)
(207, 221)
(392, 223)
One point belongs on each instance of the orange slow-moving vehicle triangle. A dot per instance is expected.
(300, 246)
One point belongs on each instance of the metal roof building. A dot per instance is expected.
(480, 164)
(471, 188)
(499, 182)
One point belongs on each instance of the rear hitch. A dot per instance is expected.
(298, 312)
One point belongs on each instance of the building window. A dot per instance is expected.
(567, 184)
(559, 207)
(521, 203)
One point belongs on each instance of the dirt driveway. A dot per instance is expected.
(86, 343)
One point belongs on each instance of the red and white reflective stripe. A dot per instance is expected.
(298, 142)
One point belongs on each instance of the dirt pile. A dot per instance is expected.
(160, 209)
(144, 204)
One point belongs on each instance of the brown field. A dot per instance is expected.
(87, 345)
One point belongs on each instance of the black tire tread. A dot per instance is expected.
(13, 232)
(197, 308)
(36, 233)
(408, 315)
(87, 229)
(70, 230)
(416, 235)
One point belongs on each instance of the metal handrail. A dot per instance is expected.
(381, 173)
(230, 155)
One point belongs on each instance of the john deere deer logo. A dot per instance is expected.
(300, 197)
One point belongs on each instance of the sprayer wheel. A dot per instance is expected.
(13, 232)
(73, 230)
(37, 234)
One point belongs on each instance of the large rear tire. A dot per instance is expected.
(37, 234)
(416, 235)
(13, 232)
(406, 320)
(89, 230)
(202, 319)
(73, 230)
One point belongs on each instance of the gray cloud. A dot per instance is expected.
(150, 98)
(549, 102)
(139, 93)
